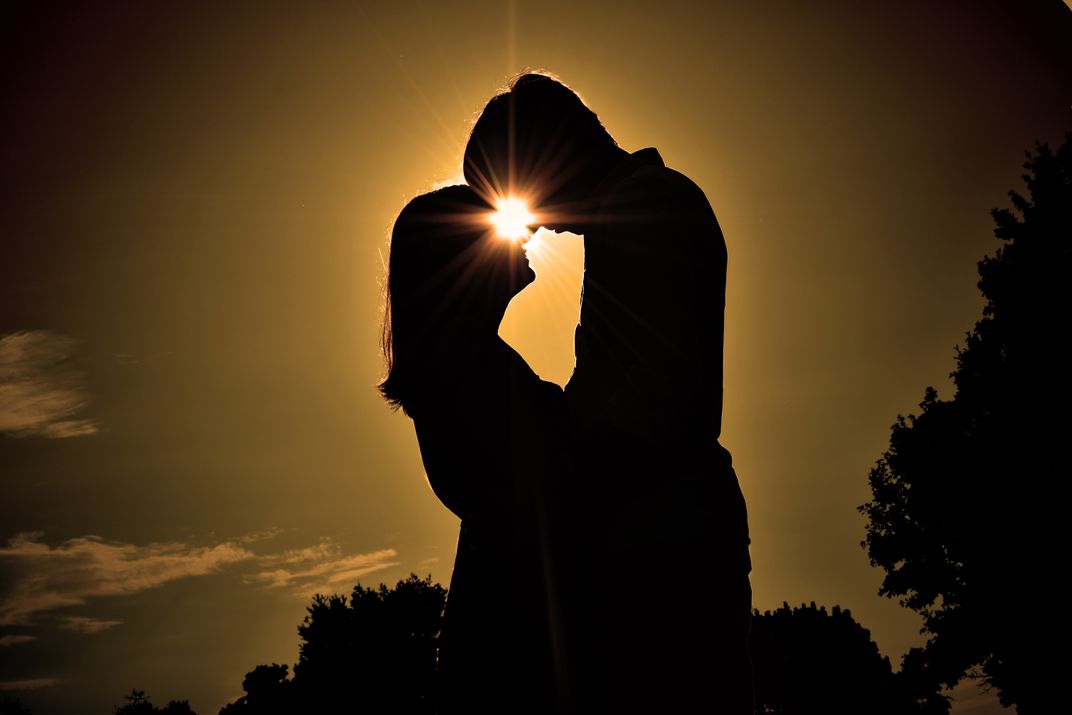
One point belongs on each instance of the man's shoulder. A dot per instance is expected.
(657, 185)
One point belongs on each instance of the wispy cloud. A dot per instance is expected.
(31, 684)
(40, 389)
(85, 624)
(263, 535)
(42, 578)
(322, 568)
(37, 578)
(6, 641)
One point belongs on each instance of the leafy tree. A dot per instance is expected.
(268, 692)
(807, 661)
(13, 706)
(138, 703)
(966, 517)
(379, 651)
(374, 652)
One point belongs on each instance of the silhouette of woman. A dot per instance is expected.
(488, 433)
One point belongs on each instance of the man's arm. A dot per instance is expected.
(649, 347)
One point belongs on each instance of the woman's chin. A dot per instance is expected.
(523, 279)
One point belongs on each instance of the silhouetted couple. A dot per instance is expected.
(603, 560)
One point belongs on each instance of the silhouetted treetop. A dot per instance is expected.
(811, 662)
(966, 517)
(13, 706)
(371, 653)
(138, 703)
(268, 692)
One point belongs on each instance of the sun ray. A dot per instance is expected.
(512, 218)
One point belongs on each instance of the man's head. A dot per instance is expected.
(538, 140)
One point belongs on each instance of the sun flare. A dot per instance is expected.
(512, 218)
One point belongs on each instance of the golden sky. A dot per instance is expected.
(194, 212)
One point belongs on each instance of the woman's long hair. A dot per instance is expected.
(431, 280)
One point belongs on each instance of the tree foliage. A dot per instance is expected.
(373, 653)
(138, 703)
(13, 706)
(965, 517)
(810, 662)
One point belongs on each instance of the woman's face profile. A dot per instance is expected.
(454, 254)
(502, 263)
(512, 221)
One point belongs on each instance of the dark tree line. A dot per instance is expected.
(375, 653)
(138, 703)
(13, 706)
(966, 516)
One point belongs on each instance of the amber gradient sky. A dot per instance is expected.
(194, 206)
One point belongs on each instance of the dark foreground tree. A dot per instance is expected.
(966, 515)
(13, 706)
(268, 691)
(374, 654)
(811, 662)
(138, 703)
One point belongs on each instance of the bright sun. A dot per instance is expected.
(512, 219)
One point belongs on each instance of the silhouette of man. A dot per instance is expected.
(657, 547)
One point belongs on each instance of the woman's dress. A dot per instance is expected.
(491, 435)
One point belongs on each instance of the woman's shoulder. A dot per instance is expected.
(489, 373)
